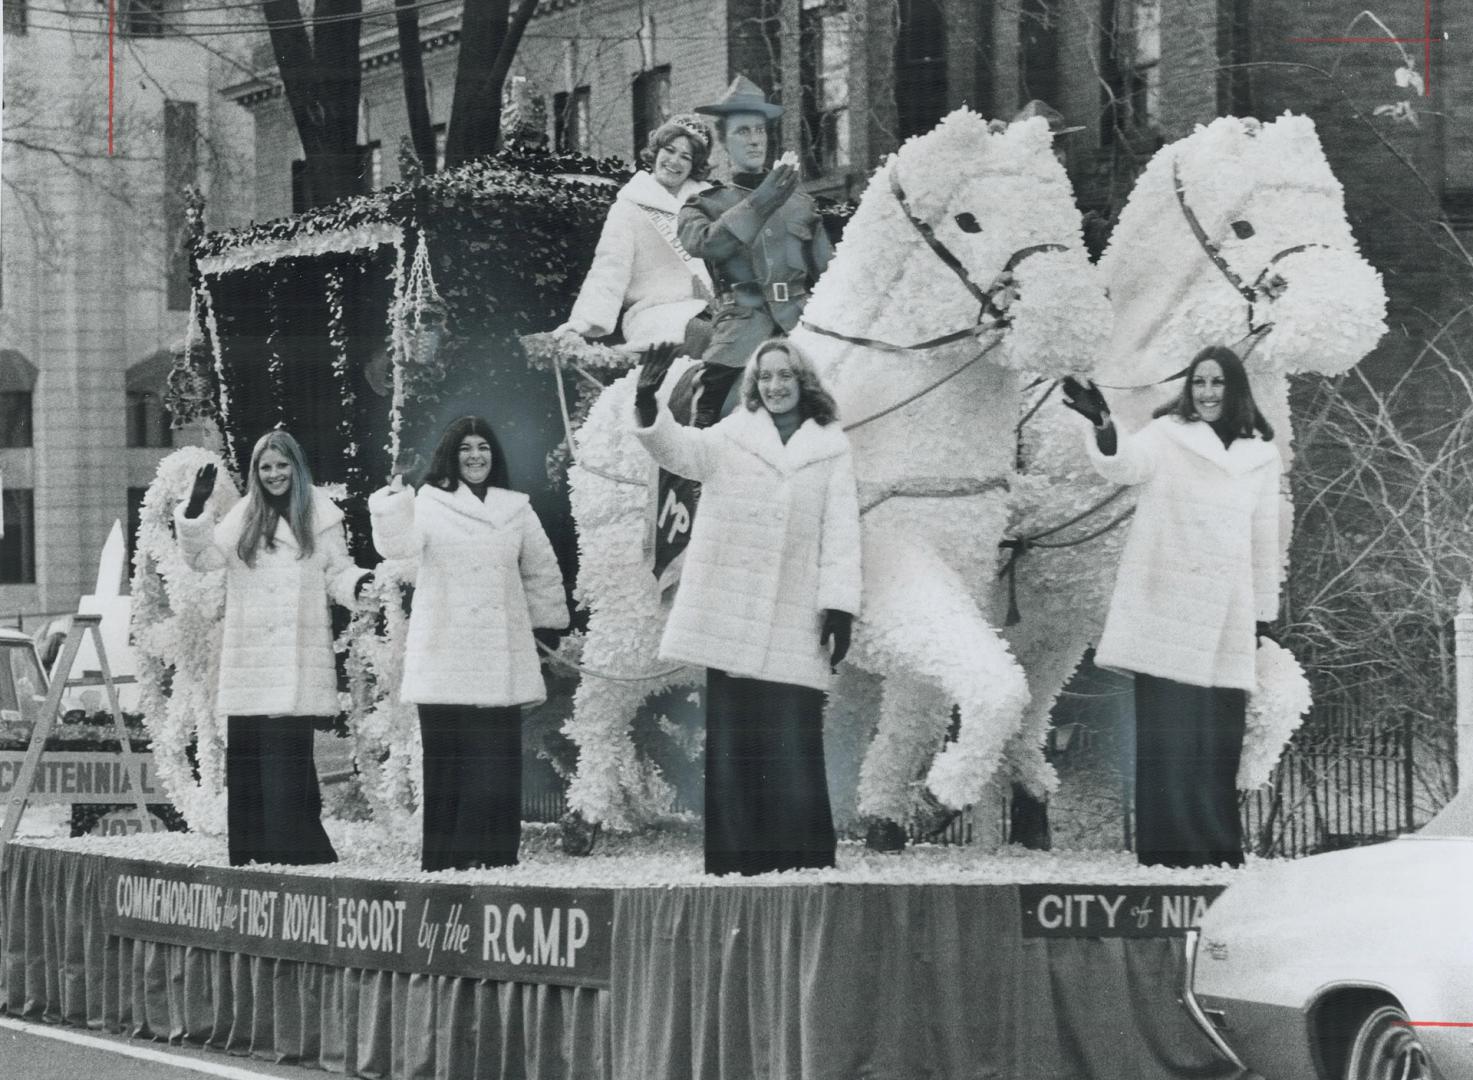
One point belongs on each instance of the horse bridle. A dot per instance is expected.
(1250, 293)
(987, 299)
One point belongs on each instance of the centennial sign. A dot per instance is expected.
(98, 776)
(510, 933)
(1094, 911)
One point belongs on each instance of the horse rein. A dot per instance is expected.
(987, 299)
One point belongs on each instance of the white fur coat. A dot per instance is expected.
(485, 575)
(635, 267)
(1201, 564)
(276, 658)
(775, 543)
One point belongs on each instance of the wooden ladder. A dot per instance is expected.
(60, 683)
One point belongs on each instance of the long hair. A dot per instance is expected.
(814, 402)
(695, 130)
(1239, 411)
(261, 517)
(444, 470)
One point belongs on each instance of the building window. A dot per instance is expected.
(651, 104)
(17, 383)
(18, 545)
(920, 67)
(149, 423)
(1134, 79)
(142, 18)
(824, 36)
(15, 419)
(15, 16)
(571, 126)
(181, 170)
(1038, 38)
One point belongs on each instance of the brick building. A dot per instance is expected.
(94, 290)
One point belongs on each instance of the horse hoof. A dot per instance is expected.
(578, 834)
(885, 835)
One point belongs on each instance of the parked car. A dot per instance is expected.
(22, 680)
(1350, 965)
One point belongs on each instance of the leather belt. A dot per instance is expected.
(778, 292)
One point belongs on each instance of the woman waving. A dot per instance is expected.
(1198, 581)
(770, 588)
(486, 580)
(285, 555)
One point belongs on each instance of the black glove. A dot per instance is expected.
(1265, 630)
(204, 483)
(836, 625)
(775, 189)
(548, 639)
(652, 371)
(1085, 399)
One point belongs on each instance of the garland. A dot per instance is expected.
(222, 411)
(385, 731)
(337, 334)
(177, 626)
(275, 365)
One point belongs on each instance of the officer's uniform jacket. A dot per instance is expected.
(761, 267)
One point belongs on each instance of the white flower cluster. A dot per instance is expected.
(615, 784)
(176, 628)
(386, 744)
(1276, 708)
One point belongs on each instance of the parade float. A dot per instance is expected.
(988, 557)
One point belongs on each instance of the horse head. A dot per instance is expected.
(1237, 235)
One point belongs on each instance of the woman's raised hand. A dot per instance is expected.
(652, 371)
(204, 484)
(1085, 399)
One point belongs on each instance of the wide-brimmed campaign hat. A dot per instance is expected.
(1056, 122)
(742, 96)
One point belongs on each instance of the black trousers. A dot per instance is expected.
(1188, 740)
(767, 795)
(273, 804)
(472, 785)
(719, 386)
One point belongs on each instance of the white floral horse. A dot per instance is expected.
(1233, 235)
(962, 267)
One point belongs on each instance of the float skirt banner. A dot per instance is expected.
(555, 936)
(1100, 911)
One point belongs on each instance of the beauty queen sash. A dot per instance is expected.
(664, 223)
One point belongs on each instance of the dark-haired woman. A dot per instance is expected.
(486, 580)
(1198, 582)
(640, 267)
(285, 555)
(770, 587)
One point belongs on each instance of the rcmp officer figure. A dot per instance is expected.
(762, 240)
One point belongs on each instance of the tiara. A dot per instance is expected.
(694, 126)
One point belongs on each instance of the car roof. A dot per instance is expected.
(1454, 819)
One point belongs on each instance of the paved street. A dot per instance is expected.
(42, 1052)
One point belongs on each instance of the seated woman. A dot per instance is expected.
(640, 267)
(771, 578)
